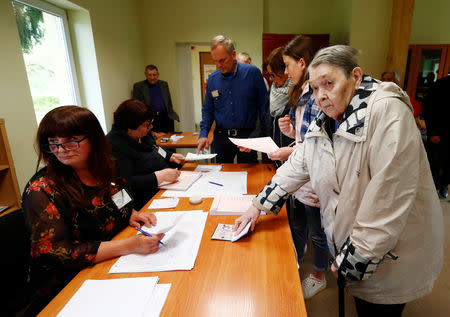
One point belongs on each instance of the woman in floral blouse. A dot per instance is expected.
(76, 203)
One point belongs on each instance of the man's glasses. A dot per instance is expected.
(68, 146)
(271, 75)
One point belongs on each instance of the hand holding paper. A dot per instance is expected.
(250, 216)
(265, 145)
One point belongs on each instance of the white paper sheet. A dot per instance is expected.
(157, 300)
(183, 182)
(230, 204)
(114, 297)
(179, 250)
(208, 168)
(265, 144)
(164, 203)
(175, 137)
(163, 224)
(234, 183)
(197, 157)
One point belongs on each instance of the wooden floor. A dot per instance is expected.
(437, 304)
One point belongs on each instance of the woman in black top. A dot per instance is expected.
(140, 161)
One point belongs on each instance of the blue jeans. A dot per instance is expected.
(304, 219)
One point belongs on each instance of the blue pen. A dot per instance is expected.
(216, 184)
(147, 234)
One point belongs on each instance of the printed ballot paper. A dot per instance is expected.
(230, 204)
(138, 296)
(225, 232)
(183, 182)
(265, 145)
(197, 157)
(183, 233)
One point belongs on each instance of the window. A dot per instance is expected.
(47, 52)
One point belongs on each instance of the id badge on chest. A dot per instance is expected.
(121, 198)
(162, 152)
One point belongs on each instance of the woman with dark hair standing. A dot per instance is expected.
(76, 203)
(140, 161)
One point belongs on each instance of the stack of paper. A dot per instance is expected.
(230, 204)
(197, 157)
(183, 182)
(180, 247)
(175, 137)
(213, 183)
(140, 296)
(208, 168)
(265, 144)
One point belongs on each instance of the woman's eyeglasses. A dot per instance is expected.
(68, 146)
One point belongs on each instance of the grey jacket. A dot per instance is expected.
(377, 198)
(140, 92)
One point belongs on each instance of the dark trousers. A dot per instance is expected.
(226, 150)
(162, 122)
(439, 158)
(366, 309)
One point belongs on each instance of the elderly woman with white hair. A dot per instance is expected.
(367, 164)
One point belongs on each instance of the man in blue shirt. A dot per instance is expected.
(155, 93)
(235, 98)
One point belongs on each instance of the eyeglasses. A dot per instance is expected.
(272, 75)
(68, 146)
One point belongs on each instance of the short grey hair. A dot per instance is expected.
(342, 56)
(225, 41)
(396, 75)
(244, 57)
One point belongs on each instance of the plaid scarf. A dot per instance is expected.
(311, 111)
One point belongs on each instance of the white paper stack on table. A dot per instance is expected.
(208, 168)
(224, 204)
(197, 157)
(265, 144)
(183, 234)
(213, 183)
(139, 296)
(175, 137)
(183, 182)
(164, 203)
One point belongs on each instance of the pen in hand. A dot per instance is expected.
(147, 234)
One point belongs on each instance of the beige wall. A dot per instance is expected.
(369, 32)
(16, 105)
(431, 22)
(165, 23)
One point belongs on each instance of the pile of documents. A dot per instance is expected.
(231, 204)
(140, 296)
(184, 181)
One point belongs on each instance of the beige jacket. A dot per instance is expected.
(376, 194)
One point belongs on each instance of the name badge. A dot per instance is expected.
(162, 152)
(121, 198)
(215, 93)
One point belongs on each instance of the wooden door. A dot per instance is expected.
(207, 67)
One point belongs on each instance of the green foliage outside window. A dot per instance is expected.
(29, 24)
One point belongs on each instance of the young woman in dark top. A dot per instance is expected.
(76, 203)
(140, 161)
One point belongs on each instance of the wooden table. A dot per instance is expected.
(256, 276)
(189, 141)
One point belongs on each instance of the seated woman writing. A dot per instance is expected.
(77, 203)
(140, 161)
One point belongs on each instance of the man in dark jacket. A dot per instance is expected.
(155, 93)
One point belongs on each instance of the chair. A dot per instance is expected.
(14, 265)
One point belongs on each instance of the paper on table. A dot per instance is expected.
(225, 232)
(183, 182)
(265, 144)
(157, 300)
(164, 203)
(175, 137)
(197, 157)
(234, 183)
(230, 204)
(208, 168)
(163, 224)
(114, 297)
(180, 247)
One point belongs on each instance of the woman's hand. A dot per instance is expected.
(286, 127)
(138, 219)
(334, 271)
(244, 149)
(169, 175)
(177, 158)
(282, 154)
(252, 214)
(142, 244)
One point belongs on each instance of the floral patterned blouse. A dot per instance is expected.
(63, 240)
